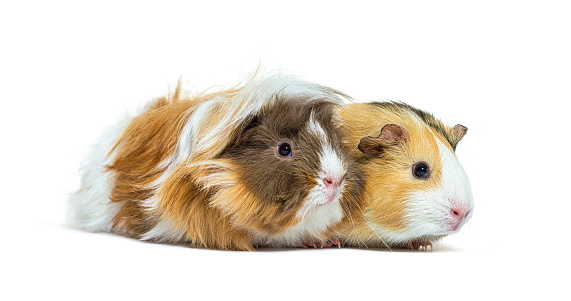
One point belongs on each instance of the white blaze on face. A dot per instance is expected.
(430, 211)
(322, 208)
(330, 182)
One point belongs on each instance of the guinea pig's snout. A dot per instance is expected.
(332, 188)
(458, 214)
(331, 182)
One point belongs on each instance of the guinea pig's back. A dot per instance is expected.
(125, 153)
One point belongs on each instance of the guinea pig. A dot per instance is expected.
(416, 191)
(261, 164)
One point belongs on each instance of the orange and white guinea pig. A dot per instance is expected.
(261, 164)
(416, 191)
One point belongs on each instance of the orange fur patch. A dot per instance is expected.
(204, 225)
(148, 140)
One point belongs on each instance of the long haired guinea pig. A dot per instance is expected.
(261, 164)
(415, 189)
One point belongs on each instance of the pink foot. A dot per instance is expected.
(417, 244)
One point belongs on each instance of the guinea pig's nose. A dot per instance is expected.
(459, 213)
(330, 182)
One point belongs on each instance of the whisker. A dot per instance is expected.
(370, 224)
(348, 214)
(384, 216)
(281, 170)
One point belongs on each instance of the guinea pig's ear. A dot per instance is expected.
(248, 124)
(253, 122)
(458, 132)
(391, 134)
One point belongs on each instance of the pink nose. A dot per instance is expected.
(459, 213)
(330, 182)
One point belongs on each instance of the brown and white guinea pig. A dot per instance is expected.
(416, 191)
(261, 164)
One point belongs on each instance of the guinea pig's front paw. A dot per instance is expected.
(321, 245)
(417, 244)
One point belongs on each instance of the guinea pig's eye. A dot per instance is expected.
(284, 149)
(420, 170)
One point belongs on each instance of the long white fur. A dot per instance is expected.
(90, 208)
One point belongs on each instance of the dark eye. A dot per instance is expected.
(284, 149)
(420, 170)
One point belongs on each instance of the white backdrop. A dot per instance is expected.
(502, 68)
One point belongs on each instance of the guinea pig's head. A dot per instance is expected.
(419, 192)
(285, 177)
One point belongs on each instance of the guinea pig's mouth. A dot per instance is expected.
(450, 220)
(330, 196)
(449, 227)
(457, 220)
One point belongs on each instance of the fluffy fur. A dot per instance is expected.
(399, 209)
(203, 169)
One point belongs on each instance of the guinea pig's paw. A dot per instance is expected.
(321, 245)
(417, 244)
(331, 243)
